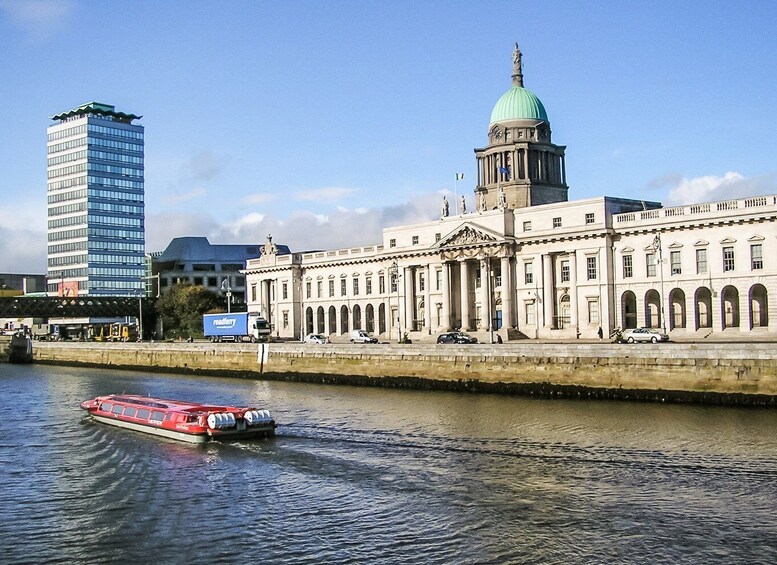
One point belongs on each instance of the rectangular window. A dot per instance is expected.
(478, 282)
(415, 240)
(331, 288)
(565, 271)
(381, 284)
(628, 267)
(674, 261)
(589, 218)
(308, 286)
(528, 272)
(392, 242)
(343, 286)
(421, 282)
(285, 291)
(650, 262)
(530, 308)
(593, 311)
(368, 285)
(320, 289)
(394, 278)
(285, 318)
(253, 292)
(756, 257)
(438, 277)
(356, 287)
(590, 264)
(437, 237)
(701, 261)
(556, 222)
(728, 258)
(527, 226)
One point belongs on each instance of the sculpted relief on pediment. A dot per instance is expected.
(469, 235)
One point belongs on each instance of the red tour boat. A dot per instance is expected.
(185, 421)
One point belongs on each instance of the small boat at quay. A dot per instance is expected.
(184, 421)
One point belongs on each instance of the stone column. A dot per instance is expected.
(427, 302)
(573, 290)
(409, 278)
(485, 294)
(547, 291)
(446, 298)
(464, 295)
(508, 290)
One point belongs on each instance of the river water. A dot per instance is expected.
(361, 475)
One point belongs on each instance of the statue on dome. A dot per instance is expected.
(444, 211)
(463, 209)
(517, 67)
(482, 202)
(269, 247)
(502, 199)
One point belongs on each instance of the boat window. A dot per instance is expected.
(157, 415)
(168, 417)
(143, 413)
(106, 406)
(117, 409)
(130, 411)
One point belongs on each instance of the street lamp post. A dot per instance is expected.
(657, 248)
(226, 287)
(394, 273)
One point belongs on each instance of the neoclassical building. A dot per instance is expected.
(529, 263)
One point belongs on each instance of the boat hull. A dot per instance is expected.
(258, 432)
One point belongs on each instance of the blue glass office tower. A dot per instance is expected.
(96, 233)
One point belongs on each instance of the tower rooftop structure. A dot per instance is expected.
(98, 109)
(518, 103)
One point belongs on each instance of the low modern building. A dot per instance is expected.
(529, 263)
(196, 261)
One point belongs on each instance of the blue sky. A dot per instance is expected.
(323, 122)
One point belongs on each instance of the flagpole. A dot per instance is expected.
(456, 193)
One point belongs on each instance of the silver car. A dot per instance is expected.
(316, 338)
(652, 335)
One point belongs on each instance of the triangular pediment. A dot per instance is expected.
(675, 245)
(701, 243)
(756, 238)
(468, 234)
(627, 249)
(728, 240)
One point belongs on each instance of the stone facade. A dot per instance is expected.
(528, 263)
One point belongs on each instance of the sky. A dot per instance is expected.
(322, 122)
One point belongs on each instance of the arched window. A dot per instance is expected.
(344, 319)
(332, 320)
(320, 320)
(759, 310)
(369, 312)
(703, 303)
(676, 308)
(629, 310)
(309, 320)
(357, 317)
(729, 303)
(652, 309)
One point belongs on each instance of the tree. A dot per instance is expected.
(181, 309)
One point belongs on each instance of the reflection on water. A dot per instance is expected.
(371, 475)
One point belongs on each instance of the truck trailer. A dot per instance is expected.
(235, 327)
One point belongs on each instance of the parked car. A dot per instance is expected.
(316, 338)
(456, 337)
(360, 336)
(644, 335)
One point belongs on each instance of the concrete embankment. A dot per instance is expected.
(720, 373)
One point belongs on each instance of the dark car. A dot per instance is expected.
(456, 337)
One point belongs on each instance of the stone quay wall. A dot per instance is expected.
(720, 373)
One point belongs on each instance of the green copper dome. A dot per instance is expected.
(518, 104)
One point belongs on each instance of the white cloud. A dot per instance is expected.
(22, 251)
(41, 19)
(181, 197)
(260, 198)
(326, 193)
(712, 188)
